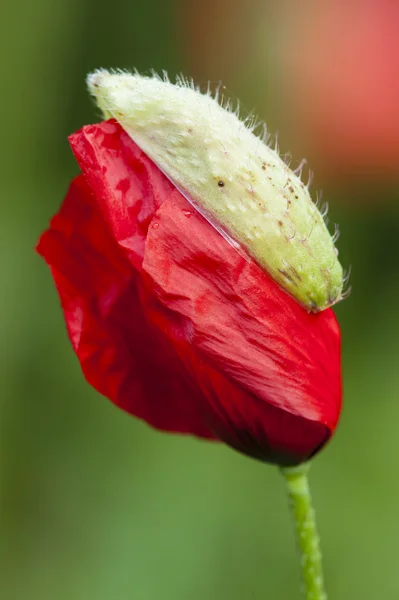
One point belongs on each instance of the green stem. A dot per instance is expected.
(307, 538)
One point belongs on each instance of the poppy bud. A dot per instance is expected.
(232, 177)
(167, 319)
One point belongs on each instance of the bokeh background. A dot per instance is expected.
(94, 504)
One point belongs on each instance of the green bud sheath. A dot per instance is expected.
(231, 176)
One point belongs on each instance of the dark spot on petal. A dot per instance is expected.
(221, 183)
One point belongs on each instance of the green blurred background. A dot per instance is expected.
(95, 505)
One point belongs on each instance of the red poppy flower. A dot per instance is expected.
(173, 325)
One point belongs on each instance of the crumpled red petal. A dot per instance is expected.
(120, 353)
(128, 188)
(172, 324)
(284, 361)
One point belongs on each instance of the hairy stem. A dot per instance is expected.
(307, 538)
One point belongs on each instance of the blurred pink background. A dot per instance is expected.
(332, 75)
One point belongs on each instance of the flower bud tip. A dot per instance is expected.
(232, 177)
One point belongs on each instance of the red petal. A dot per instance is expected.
(273, 368)
(127, 185)
(121, 354)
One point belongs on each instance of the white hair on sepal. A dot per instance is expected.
(299, 169)
(324, 211)
(216, 94)
(346, 288)
(227, 104)
(180, 80)
(287, 158)
(306, 238)
(319, 198)
(256, 128)
(247, 120)
(212, 90)
(115, 71)
(251, 121)
(185, 82)
(276, 143)
(237, 109)
(264, 135)
(336, 234)
(346, 275)
(346, 292)
(271, 141)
